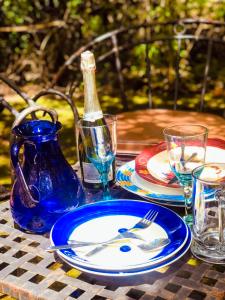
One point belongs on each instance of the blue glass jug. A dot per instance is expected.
(46, 186)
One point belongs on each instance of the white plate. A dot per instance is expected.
(148, 269)
(101, 221)
(152, 163)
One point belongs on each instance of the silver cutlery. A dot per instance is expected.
(189, 159)
(145, 222)
(71, 245)
(77, 244)
(154, 245)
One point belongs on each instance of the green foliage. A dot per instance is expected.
(84, 20)
(35, 56)
(73, 6)
(16, 12)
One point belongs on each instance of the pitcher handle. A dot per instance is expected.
(27, 197)
(22, 115)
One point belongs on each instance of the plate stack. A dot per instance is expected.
(101, 221)
(149, 175)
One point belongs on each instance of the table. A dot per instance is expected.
(27, 271)
(147, 125)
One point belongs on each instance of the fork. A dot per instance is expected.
(144, 223)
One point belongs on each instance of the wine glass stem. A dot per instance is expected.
(105, 186)
(188, 204)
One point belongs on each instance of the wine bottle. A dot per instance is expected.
(93, 116)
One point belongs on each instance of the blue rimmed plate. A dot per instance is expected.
(141, 271)
(128, 179)
(101, 221)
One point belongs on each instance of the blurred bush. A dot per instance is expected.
(36, 36)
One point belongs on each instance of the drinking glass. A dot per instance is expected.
(209, 212)
(186, 147)
(100, 146)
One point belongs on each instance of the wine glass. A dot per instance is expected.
(100, 146)
(186, 148)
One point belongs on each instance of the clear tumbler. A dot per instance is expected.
(209, 213)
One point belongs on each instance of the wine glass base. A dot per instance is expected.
(207, 255)
(94, 196)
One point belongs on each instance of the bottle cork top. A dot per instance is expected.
(87, 60)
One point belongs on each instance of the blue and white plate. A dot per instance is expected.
(102, 221)
(128, 179)
(141, 271)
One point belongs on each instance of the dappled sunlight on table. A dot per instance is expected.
(146, 126)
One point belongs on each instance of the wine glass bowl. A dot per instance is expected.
(186, 148)
(182, 165)
(100, 144)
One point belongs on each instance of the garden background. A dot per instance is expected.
(36, 37)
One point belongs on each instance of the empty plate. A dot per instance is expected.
(102, 221)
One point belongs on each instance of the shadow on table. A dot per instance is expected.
(115, 282)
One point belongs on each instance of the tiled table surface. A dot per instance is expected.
(27, 271)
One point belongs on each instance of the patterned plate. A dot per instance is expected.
(128, 179)
(152, 164)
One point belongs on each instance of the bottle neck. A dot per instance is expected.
(92, 108)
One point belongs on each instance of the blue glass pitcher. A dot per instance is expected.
(46, 186)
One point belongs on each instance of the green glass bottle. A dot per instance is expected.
(93, 116)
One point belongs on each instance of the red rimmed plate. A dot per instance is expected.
(152, 163)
